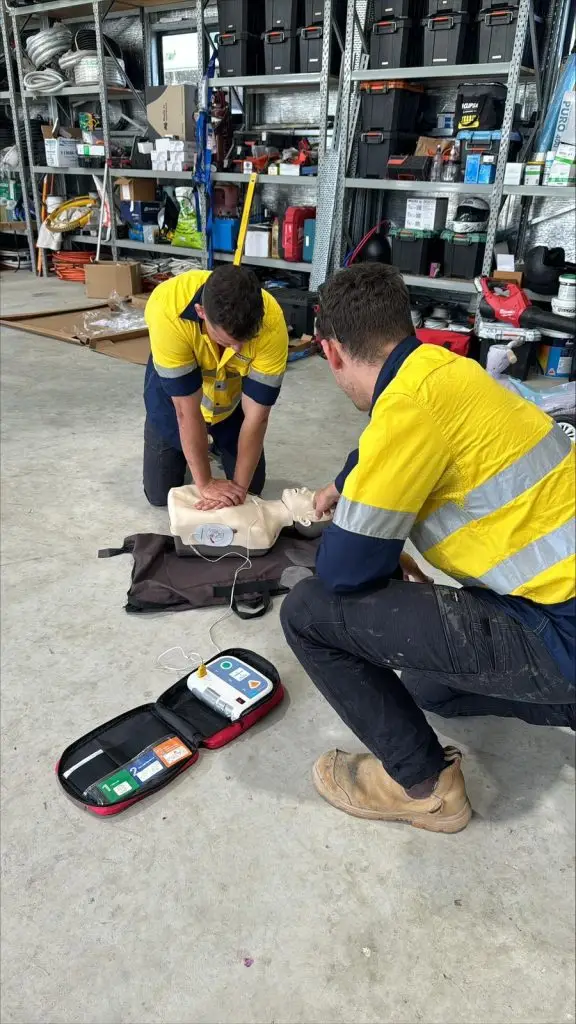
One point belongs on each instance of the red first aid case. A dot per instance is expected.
(293, 231)
(134, 755)
(453, 340)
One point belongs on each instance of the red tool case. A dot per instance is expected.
(293, 231)
(169, 732)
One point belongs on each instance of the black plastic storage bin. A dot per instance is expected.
(384, 9)
(376, 147)
(414, 251)
(394, 43)
(311, 44)
(280, 52)
(241, 16)
(480, 106)
(496, 33)
(391, 106)
(446, 39)
(451, 7)
(283, 14)
(463, 254)
(314, 12)
(299, 308)
(239, 53)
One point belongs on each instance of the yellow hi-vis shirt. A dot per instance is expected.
(184, 358)
(482, 481)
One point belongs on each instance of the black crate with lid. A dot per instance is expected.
(376, 147)
(280, 52)
(287, 15)
(394, 43)
(447, 39)
(496, 35)
(389, 105)
(241, 16)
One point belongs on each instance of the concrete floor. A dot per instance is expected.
(149, 917)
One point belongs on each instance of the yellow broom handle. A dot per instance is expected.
(245, 219)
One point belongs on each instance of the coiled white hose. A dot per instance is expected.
(45, 46)
(45, 83)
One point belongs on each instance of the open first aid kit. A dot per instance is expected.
(138, 752)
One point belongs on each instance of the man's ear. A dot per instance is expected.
(332, 351)
(200, 310)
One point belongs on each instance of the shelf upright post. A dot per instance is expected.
(103, 93)
(23, 170)
(200, 4)
(27, 131)
(512, 86)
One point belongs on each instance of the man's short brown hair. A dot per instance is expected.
(365, 308)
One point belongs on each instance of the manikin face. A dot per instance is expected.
(300, 502)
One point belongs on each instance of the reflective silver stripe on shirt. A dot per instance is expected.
(270, 379)
(171, 372)
(370, 521)
(208, 404)
(496, 492)
(521, 567)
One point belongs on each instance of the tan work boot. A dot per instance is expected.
(359, 785)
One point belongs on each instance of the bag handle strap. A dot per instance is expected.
(252, 608)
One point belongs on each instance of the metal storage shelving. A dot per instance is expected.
(12, 95)
(253, 84)
(511, 72)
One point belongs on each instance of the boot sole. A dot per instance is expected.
(447, 824)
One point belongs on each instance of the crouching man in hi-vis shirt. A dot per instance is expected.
(219, 350)
(483, 484)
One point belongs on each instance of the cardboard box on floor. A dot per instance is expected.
(103, 279)
(133, 346)
(170, 110)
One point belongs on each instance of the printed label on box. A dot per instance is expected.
(117, 786)
(172, 751)
(145, 766)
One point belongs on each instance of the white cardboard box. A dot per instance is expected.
(257, 241)
(61, 152)
(426, 214)
(514, 173)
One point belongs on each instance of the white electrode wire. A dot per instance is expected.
(246, 564)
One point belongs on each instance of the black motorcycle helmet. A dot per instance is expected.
(542, 268)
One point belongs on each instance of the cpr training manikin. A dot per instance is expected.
(248, 529)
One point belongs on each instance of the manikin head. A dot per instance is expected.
(232, 306)
(364, 312)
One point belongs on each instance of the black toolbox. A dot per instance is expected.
(284, 14)
(239, 53)
(463, 254)
(496, 34)
(299, 308)
(384, 9)
(280, 52)
(451, 7)
(480, 106)
(241, 16)
(394, 43)
(311, 44)
(376, 147)
(314, 12)
(446, 39)
(392, 106)
(414, 251)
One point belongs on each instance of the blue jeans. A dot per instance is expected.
(165, 466)
(459, 655)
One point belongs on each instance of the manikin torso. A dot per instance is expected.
(252, 528)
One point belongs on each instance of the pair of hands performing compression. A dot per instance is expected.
(326, 499)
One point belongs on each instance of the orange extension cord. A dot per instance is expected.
(69, 266)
